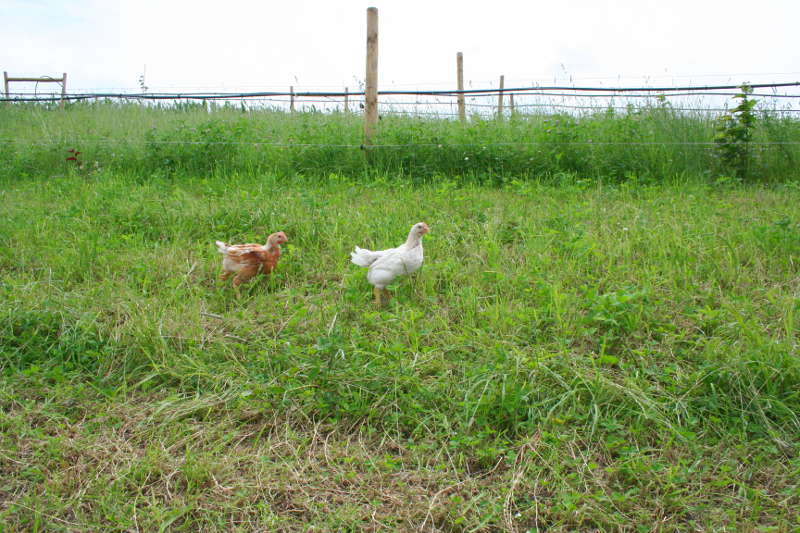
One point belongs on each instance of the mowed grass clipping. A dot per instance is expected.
(568, 358)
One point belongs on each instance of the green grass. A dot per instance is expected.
(570, 357)
(645, 144)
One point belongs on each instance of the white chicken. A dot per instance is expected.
(386, 265)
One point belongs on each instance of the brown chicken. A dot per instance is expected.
(248, 260)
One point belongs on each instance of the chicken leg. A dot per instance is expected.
(382, 296)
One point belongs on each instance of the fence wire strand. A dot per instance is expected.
(604, 92)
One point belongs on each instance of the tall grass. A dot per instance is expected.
(646, 143)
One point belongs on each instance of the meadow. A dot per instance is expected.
(600, 342)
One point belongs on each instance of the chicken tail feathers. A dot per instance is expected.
(363, 257)
(222, 247)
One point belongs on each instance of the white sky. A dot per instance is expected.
(313, 44)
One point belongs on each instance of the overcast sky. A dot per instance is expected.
(254, 45)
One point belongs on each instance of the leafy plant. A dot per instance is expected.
(734, 135)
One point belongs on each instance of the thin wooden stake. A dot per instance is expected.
(371, 89)
(500, 99)
(63, 89)
(462, 113)
(511, 104)
(291, 98)
(346, 100)
(5, 82)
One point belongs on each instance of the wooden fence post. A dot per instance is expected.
(346, 100)
(47, 79)
(291, 98)
(511, 104)
(371, 88)
(462, 113)
(63, 89)
(500, 99)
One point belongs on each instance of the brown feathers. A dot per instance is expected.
(248, 260)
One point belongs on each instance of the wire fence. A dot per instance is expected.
(480, 102)
(522, 130)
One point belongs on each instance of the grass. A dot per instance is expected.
(572, 356)
(605, 339)
(644, 144)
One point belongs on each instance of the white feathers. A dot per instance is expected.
(385, 265)
(363, 257)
